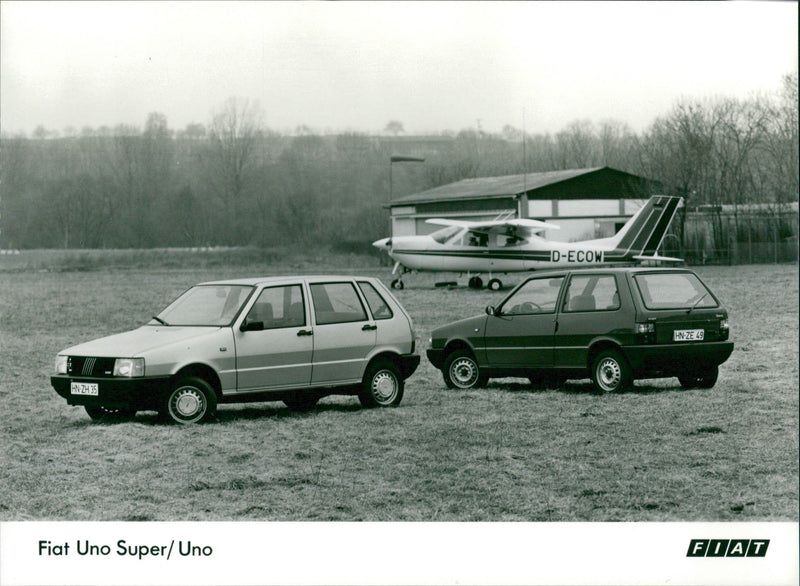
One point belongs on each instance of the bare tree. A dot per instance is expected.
(233, 136)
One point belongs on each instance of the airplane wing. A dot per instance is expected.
(657, 257)
(525, 223)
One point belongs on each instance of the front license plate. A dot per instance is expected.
(688, 335)
(90, 389)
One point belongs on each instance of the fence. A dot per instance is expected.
(743, 253)
(737, 235)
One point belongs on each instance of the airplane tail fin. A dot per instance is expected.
(643, 233)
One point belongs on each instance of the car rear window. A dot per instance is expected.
(380, 309)
(674, 291)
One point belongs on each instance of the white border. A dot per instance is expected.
(396, 553)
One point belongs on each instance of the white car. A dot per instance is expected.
(290, 339)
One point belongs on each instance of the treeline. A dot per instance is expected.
(236, 182)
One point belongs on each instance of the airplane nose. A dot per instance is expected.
(383, 243)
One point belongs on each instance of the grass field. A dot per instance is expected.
(505, 453)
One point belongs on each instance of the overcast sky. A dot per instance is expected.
(341, 66)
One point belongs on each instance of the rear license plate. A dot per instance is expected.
(90, 389)
(688, 335)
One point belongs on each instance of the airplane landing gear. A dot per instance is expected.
(475, 283)
(398, 282)
(495, 284)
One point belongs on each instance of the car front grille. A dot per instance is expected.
(90, 366)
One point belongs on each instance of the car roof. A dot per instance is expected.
(276, 280)
(608, 269)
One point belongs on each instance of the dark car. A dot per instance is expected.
(612, 325)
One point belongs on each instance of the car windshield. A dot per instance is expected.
(205, 305)
(674, 291)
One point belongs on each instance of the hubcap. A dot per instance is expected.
(187, 403)
(384, 386)
(464, 372)
(609, 374)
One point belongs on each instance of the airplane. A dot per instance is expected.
(514, 245)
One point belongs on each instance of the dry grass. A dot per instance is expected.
(502, 453)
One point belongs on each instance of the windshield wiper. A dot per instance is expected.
(696, 303)
(159, 320)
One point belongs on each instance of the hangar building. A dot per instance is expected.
(585, 203)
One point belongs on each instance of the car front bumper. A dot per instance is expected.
(675, 359)
(138, 393)
(436, 357)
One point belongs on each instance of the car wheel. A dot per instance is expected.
(461, 371)
(610, 372)
(190, 401)
(495, 285)
(382, 385)
(302, 401)
(100, 413)
(704, 379)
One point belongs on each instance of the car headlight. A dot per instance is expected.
(129, 367)
(61, 364)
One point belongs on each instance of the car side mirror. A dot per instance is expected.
(251, 326)
(490, 310)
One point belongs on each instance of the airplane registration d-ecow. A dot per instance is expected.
(505, 246)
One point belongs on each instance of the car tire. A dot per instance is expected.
(108, 414)
(191, 400)
(611, 372)
(461, 371)
(702, 379)
(302, 402)
(382, 386)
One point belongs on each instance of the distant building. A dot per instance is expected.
(585, 203)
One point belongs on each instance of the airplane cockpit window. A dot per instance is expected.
(443, 235)
(474, 238)
(506, 240)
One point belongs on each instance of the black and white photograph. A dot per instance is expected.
(403, 292)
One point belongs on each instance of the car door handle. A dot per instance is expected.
(305, 333)
(369, 327)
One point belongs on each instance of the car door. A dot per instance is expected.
(520, 333)
(344, 334)
(591, 308)
(275, 350)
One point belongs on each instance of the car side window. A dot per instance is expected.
(591, 293)
(535, 296)
(279, 307)
(336, 303)
(377, 305)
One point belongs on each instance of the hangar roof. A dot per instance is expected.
(588, 183)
